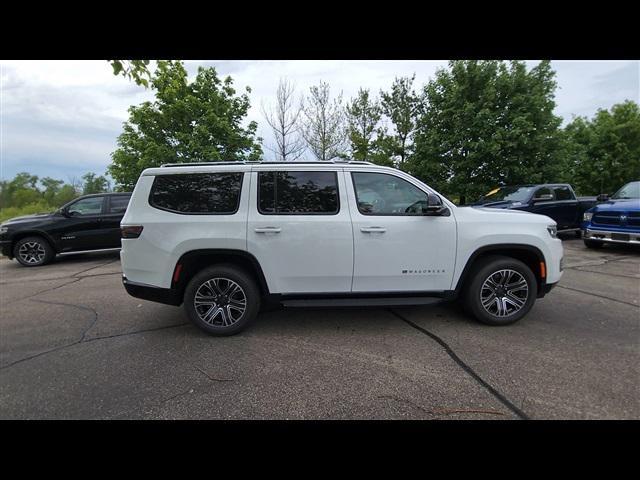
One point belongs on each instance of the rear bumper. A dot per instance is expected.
(612, 236)
(168, 296)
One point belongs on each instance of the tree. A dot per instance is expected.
(136, 70)
(604, 153)
(401, 105)
(283, 121)
(324, 124)
(188, 122)
(485, 124)
(363, 119)
(51, 188)
(94, 184)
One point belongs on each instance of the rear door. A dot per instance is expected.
(566, 207)
(299, 229)
(116, 206)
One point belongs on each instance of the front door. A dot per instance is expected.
(299, 229)
(82, 229)
(397, 249)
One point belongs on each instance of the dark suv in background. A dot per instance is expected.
(88, 223)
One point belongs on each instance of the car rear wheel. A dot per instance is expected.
(593, 243)
(501, 292)
(222, 300)
(33, 251)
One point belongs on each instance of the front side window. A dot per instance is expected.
(298, 193)
(87, 206)
(563, 193)
(384, 194)
(543, 193)
(197, 193)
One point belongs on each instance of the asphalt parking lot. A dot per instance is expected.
(74, 345)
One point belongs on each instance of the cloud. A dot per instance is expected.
(62, 118)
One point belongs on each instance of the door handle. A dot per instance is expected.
(373, 229)
(267, 230)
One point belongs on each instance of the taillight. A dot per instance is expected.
(131, 231)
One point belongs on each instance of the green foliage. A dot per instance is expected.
(136, 70)
(94, 184)
(401, 105)
(604, 153)
(27, 194)
(187, 122)
(486, 123)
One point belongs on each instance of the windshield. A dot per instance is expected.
(513, 194)
(630, 190)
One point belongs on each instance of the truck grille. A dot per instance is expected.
(612, 218)
(607, 218)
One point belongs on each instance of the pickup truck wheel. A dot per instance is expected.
(593, 243)
(501, 292)
(33, 251)
(222, 300)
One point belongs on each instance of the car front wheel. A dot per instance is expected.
(222, 300)
(33, 251)
(501, 292)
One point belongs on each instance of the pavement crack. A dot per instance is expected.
(598, 295)
(441, 411)
(499, 396)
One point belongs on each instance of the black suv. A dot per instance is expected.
(88, 223)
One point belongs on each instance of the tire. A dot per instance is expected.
(221, 290)
(593, 243)
(33, 251)
(515, 304)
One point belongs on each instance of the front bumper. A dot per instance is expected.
(611, 236)
(546, 288)
(5, 248)
(168, 296)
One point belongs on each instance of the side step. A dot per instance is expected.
(361, 302)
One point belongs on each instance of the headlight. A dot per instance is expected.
(587, 216)
(553, 231)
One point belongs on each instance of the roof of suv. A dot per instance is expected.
(171, 168)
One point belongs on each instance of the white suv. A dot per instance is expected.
(228, 238)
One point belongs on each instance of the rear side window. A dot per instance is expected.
(118, 204)
(298, 193)
(198, 193)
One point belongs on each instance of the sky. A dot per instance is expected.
(62, 118)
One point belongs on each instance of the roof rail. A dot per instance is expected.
(252, 162)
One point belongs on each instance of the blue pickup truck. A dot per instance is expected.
(555, 200)
(614, 220)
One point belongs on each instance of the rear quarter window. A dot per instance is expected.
(198, 193)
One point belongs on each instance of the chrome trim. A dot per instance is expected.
(634, 237)
(90, 251)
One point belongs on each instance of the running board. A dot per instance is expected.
(361, 302)
(74, 252)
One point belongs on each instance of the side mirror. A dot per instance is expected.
(543, 198)
(434, 206)
(603, 197)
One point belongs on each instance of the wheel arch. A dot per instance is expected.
(193, 261)
(33, 233)
(527, 254)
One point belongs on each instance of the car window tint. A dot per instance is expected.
(383, 194)
(543, 191)
(118, 204)
(298, 193)
(563, 193)
(87, 206)
(198, 193)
